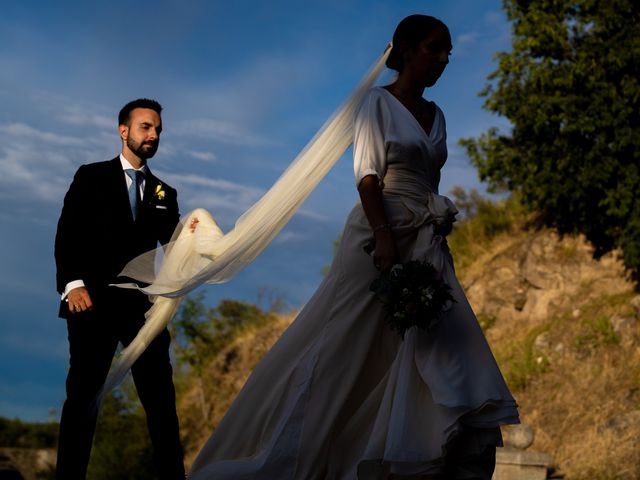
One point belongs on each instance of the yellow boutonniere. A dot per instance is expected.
(159, 194)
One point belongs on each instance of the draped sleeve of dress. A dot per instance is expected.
(340, 395)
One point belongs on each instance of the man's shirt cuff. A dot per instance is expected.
(70, 286)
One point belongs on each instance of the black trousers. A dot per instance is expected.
(93, 338)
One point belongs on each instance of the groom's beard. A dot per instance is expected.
(144, 150)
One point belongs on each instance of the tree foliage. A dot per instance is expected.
(201, 332)
(121, 448)
(571, 89)
(16, 433)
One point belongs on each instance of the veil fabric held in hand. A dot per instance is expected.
(207, 255)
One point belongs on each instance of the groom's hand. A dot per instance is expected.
(79, 300)
(194, 223)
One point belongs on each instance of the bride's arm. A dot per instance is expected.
(369, 164)
(371, 198)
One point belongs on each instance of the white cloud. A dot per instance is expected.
(496, 18)
(30, 175)
(248, 96)
(494, 34)
(20, 130)
(499, 31)
(457, 157)
(311, 215)
(224, 199)
(215, 183)
(464, 42)
(37, 166)
(288, 236)
(207, 157)
(84, 117)
(219, 130)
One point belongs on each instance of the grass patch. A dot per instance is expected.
(521, 362)
(594, 329)
(568, 252)
(486, 320)
(596, 332)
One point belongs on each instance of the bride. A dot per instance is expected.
(340, 395)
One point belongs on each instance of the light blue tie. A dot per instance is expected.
(136, 177)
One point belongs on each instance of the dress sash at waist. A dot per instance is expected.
(430, 214)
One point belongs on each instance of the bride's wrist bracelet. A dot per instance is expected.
(382, 227)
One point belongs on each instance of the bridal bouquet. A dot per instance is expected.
(413, 294)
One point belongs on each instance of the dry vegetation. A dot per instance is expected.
(563, 326)
(203, 404)
(565, 329)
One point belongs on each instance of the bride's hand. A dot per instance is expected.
(372, 202)
(194, 223)
(385, 250)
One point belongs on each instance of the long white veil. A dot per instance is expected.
(207, 255)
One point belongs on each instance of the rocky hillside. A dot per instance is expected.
(563, 326)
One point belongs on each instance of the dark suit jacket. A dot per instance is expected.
(96, 234)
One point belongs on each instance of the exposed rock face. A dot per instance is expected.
(567, 329)
(540, 275)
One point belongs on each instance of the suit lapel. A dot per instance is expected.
(120, 192)
(150, 184)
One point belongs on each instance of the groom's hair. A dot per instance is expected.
(125, 112)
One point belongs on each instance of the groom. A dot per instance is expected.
(114, 211)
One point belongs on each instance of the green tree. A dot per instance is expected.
(201, 332)
(16, 433)
(571, 89)
(121, 448)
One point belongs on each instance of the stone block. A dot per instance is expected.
(513, 464)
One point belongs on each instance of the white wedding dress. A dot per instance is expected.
(340, 396)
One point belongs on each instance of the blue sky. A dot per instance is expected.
(244, 84)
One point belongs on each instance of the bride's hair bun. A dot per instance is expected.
(409, 33)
